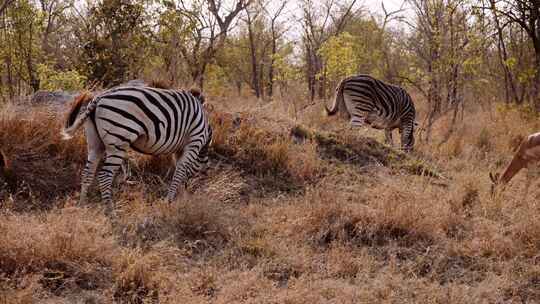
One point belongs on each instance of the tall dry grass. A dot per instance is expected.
(276, 219)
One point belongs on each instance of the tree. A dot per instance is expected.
(254, 36)
(115, 34)
(20, 52)
(338, 56)
(525, 14)
(4, 5)
(509, 79)
(276, 32)
(440, 42)
(207, 23)
(318, 26)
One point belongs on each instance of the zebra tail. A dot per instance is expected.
(73, 120)
(338, 100)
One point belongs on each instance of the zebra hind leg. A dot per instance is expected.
(96, 149)
(89, 173)
(114, 160)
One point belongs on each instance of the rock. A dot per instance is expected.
(44, 97)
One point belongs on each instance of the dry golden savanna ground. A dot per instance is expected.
(295, 208)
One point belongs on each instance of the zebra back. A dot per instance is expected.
(167, 119)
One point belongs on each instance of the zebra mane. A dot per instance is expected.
(196, 92)
(76, 106)
(160, 84)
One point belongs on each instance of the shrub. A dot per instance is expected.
(52, 80)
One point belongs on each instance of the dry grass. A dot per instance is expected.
(290, 211)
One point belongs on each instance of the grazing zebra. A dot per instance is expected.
(149, 120)
(366, 100)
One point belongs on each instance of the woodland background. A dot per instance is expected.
(452, 52)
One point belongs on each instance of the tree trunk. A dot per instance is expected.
(238, 87)
(536, 96)
(197, 78)
(535, 35)
(310, 73)
(255, 81)
(32, 77)
(261, 80)
(510, 87)
(319, 76)
(270, 87)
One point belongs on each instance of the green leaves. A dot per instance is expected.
(52, 80)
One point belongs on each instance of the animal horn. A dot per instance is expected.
(494, 182)
(492, 177)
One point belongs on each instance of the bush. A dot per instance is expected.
(52, 80)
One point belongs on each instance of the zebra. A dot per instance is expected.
(148, 120)
(369, 101)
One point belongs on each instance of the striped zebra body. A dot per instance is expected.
(368, 101)
(148, 120)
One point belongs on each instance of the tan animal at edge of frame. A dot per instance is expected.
(527, 155)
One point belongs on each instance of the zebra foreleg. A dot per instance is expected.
(407, 136)
(186, 166)
(388, 137)
(88, 174)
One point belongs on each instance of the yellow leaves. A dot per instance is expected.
(215, 80)
(472, 64)
(510, 62)
(339, 56)
(285, 69)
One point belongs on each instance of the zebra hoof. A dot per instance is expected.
(82, 203)
(110, 210)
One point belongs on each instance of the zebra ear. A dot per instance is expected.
(197, 93)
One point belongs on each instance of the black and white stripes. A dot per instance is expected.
(148, 120)
(368, 101)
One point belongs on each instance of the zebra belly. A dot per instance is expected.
(373, 120)
(142, 145)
